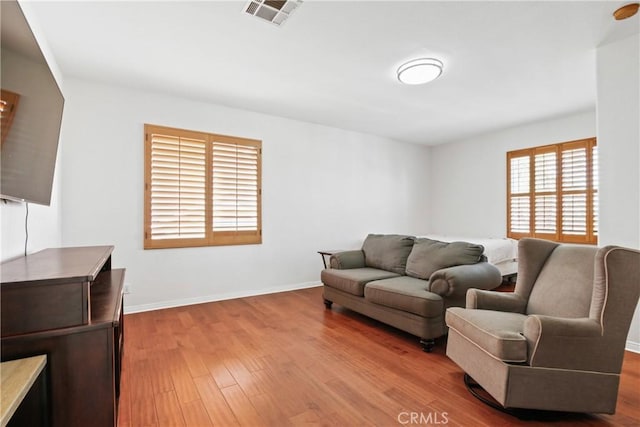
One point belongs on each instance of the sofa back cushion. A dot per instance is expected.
(428, 256)
(387, 251)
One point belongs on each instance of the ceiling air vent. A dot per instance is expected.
(274, 11)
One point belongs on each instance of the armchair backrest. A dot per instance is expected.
(575, 281)
(555, 279)
(564, 285)
(615, 297)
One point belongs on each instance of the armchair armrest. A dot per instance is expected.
(347, 259)
(497, 301)
(568, 343)
(455, 281)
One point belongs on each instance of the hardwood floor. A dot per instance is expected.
(284, 360)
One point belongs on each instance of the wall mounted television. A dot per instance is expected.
(31, 112)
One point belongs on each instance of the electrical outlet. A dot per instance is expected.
(127, 288)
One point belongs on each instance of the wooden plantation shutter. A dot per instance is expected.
(201, 189)
(594, 191)
(177, 187)
(545, 192)
(574, 192)
(552, 192)
(579, 181)
(519, 193)
(236, 190)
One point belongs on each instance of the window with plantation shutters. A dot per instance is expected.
(201, 189)
(552, 192)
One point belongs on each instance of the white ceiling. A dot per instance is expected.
(333, 62)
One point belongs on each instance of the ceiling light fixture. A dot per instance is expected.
(626, 11)
(419, 71)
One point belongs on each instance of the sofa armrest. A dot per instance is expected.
(347, 259)
(570, 343)
(454, 281)
(496, 301)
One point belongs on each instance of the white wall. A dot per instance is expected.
(619, 140)
(468, 178)
(323, 188)
(44, 224)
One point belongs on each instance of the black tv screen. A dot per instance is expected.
(31, 112)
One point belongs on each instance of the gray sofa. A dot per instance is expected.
(407, 282)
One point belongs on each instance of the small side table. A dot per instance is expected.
(328, 253)
(24, 393)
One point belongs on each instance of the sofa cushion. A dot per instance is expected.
(387, 251)
(406, 294)
(354, 279)
(497, 333)
(428, 256)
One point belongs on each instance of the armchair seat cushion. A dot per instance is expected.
(406, 294)
(497, 333)
(353, 280)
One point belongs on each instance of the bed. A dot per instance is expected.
(501, 252)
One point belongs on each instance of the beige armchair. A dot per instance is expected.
(557, 342)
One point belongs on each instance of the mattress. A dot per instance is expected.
(501, 252)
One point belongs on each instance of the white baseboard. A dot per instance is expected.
(218, 297)
(633, 346)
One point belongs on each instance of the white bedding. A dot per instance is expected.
(501, 252)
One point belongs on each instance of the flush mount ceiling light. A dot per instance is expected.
(419, 71)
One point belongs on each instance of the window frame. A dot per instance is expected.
(591, 235)
(211, 237)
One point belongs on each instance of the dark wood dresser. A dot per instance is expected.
(67, 303)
